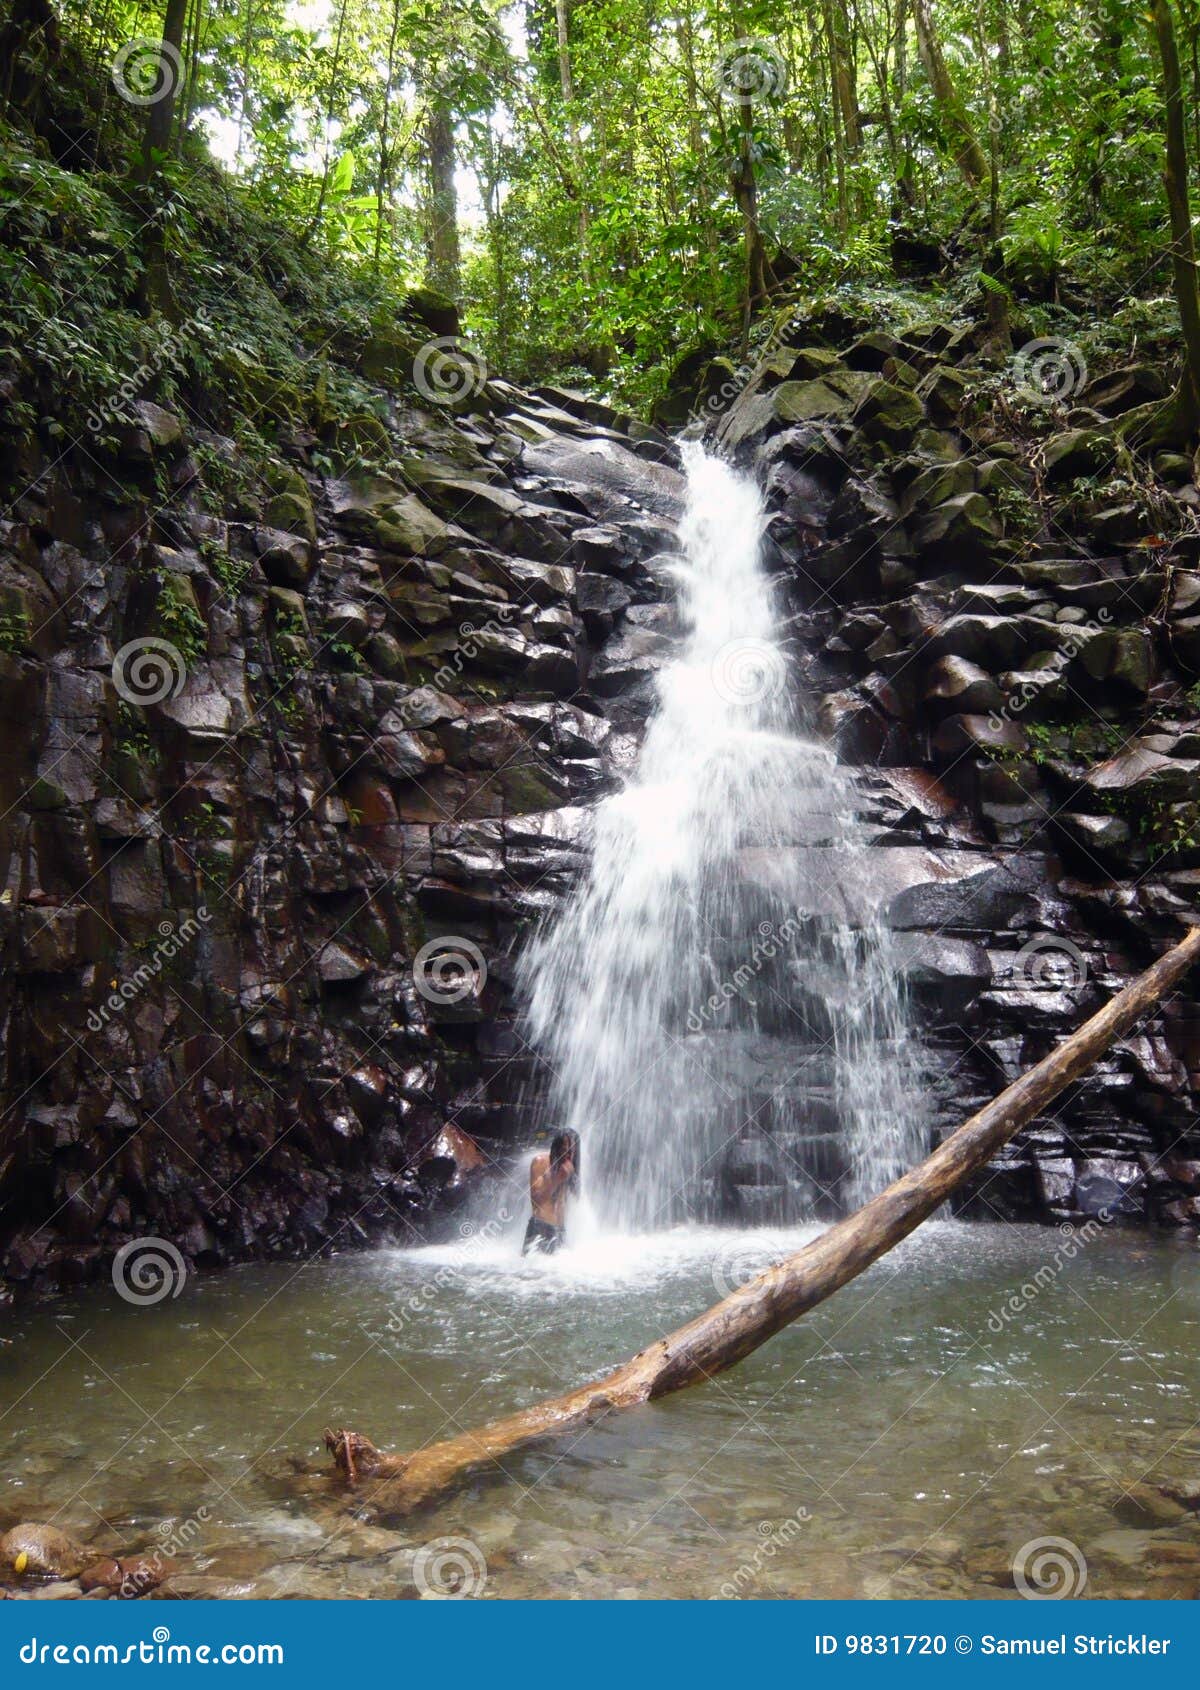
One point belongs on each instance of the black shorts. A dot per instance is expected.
(541, 1237)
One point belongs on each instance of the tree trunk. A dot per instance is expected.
(759, 276)
(730, 1331)
(566, 83)
(155, 284)
(442, 235)
(968, 154)
(383, 187)
(331, 95)
(161, 115)
(1183, 246)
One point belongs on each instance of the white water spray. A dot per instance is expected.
(718, 1008)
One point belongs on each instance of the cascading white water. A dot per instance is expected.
(719, 988)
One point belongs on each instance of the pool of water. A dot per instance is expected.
(981, 1389)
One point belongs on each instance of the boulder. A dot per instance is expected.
(38, 1551)
(890, 413)
(962, 686)
(964, 527)
(1078, 452)
(1145, 773)
(287, 560)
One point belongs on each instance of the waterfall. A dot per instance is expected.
(717, 1006)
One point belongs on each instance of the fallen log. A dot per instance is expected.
(725, 1334)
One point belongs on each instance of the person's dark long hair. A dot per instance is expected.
(565, 1144)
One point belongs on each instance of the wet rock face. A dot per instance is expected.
(280, 797)
(1020, 701)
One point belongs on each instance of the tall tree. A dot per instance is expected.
(444, 266)
(1183, 245)
(960, 132)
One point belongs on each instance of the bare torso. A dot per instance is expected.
(548, 1191)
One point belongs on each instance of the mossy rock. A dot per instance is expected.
(433, 310)
(890, 413)
(289, 613)
(812, 361)
(810, 401)
(526, 792)
(1078, 452)
(389, 355)
(1133, 661)
(293, 513)
(360, 435)
(943, 392)
(249, 389)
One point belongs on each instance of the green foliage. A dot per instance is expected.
(179, 619)
(14, 631)
(601, 186)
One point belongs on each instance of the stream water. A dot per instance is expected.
(907, 1438)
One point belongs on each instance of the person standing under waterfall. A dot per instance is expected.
(552, 1179)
